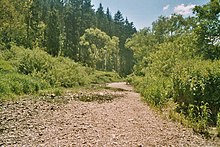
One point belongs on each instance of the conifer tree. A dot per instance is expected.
(72, 28)
(101, 18)
(53, 32)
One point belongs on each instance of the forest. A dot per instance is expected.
(63, 43)
(174, 64)
(59, 28)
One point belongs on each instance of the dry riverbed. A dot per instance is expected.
(119, 118)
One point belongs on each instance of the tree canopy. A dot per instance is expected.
(57, 25)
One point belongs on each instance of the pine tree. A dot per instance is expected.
(32, 22)
(109, 25)
(88, 16)
(123, 29)
(101, 18)
(12, 26)
(72, 21)
(53, 31)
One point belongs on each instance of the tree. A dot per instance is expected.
(34, 25)
(101, 18)
(124, 30)
(53, 32)
(98, 50)
(109, 25)
(12, 27)
(88, 16)
(56, 26)
(118, 18)
(208, 29)
(142, 44)
(72, 19)
(159, 28)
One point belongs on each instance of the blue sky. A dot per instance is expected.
(144, 12)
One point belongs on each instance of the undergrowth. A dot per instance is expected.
(24, 71)
(193, 85)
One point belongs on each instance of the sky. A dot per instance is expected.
(144, 12)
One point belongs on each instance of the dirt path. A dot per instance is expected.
(125, 121)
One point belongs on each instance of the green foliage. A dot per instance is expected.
(57, 71)
(98, 50)
(196, 82)
(6, 66)
(34, 61)
(158, 64)
(50, 91)
(14, 83)
(12, 26)
(199, 117)
(123, 29)
(142, 44)
(53, 33)
(156, 90)
(56, 26)
(66, 73)
(24, 71)
(169, 28)
(171, 64)
(218, 123)
(208, 29)
(17, 84)
(103, 77)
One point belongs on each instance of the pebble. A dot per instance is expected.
(90, 124)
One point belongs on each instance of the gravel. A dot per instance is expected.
(123, 121)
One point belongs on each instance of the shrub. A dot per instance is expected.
(155, 90)
(197, 81)
(31, 61)
(98, 77)
(17, 84)
(68, 74)
(5, 66)
(199, 117)
(24, 71)
(218, 123)
(57, 71)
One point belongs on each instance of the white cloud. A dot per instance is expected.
(184, 10)
(166, 7)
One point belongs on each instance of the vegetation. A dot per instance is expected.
(58, 27)
(25, 71)
(99, 50)
(177, 61)
(57, 44)
(53, 44)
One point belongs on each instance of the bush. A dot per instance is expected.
(57, 71)
(34, 61)
(218, 123)
(17, 84)
(155, 90)
(198, 81)
(6, 67)
(98, 77)
(24, 71)
(66, 73)
(199, 117)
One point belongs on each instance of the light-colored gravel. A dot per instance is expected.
(124, 121)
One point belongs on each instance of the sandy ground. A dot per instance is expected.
(123, 121)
